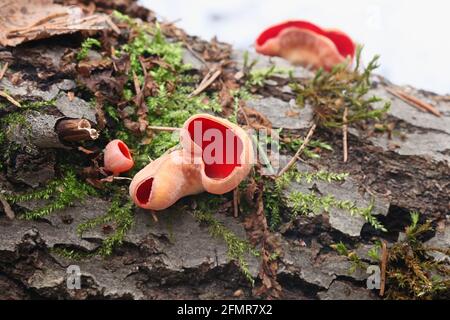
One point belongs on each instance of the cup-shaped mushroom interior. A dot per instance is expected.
(142, 185)
(124, 150)
(144, 190)
(220, 146)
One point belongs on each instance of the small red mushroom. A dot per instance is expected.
(306, 44)
(117, 157)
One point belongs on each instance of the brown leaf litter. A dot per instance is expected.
(26, 20)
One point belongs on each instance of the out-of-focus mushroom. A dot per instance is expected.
(306, 44)
(117, 157)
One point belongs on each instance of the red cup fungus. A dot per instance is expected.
(216, 156)
(303, 43)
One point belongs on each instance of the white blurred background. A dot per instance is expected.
(412, 36)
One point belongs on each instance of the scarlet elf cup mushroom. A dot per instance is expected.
(117, 157)
(216, 156)
(304, 43)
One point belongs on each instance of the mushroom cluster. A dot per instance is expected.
(304, 43)
(215, 156)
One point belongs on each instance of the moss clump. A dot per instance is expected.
(62, 192)
(412, 273)
(356, 262)
(273, 204)
(294, 175)
(306, 203)
(311, 151)
(276, 198)
(71, 254)
(257, 78)
(330, 93)
(16, 120)
(87, 45)
(33, 105)
(13, 119)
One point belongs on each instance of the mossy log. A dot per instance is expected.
(177, 257)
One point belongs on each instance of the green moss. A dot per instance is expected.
(9, 122)
(237, 249)
(72, 254)
(13, 118)
(356, 262)
(171, 105)
(310, 151)
(306, 203)
(412, 272)
(62, 193)
(257, 78)
(294, 175)
(31, 105)
(330, 93)
(120, 215)
(374, 252)
(274, 195)
(87, 45)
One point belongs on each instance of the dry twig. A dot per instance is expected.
(10, 99)
(196, 55)
(415, 102)
(206, 82)
(384, 258)
(168, 129)
(3, 71)
(345, 134)
(300, 150)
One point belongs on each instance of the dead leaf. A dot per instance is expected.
(292, 113)
(86, 151)
(7, 208)
(258, 232)
(70, 95)
(255, 119)
(3, 70)
(85, 67)
(25, 20)
(16, 78)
